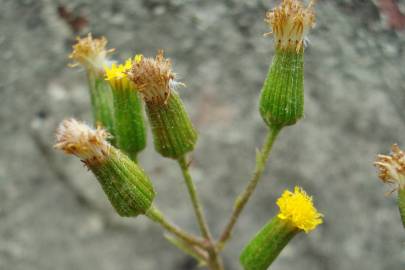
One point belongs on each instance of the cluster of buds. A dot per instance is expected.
(120, 91)
(117, 91)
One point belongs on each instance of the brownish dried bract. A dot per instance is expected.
(76, 138)
(153, 78)
(91, 53)
(391, 168)
(290, 22)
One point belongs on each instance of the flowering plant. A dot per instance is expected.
(119, 94)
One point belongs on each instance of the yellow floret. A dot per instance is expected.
(297, 208)
(117, 75)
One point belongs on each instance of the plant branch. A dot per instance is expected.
(154, 214)
(194, 198)
(243, 198)
(214, 259)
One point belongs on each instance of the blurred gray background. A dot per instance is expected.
(53, 214)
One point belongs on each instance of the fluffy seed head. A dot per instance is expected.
(290, 22)
(76, 138)
(391, 168)
(153, 78)
(91, 53)
(297, 208)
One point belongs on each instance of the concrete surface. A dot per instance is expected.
(53, 214)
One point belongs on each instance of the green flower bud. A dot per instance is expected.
(126, 185)
(282, 96)
(92, 55)
(267, 244)
(130, 132)
(297, 213)
(173, 132)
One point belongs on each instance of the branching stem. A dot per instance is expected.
(154, 214)
(214, 259)
(243, 198)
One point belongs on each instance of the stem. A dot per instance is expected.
(194, 198)
(155, 215)
(214, 261)
(401, 204)
(243, 198)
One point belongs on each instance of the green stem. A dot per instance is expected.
(155, 215)
(194, 198)
(243, 198)
(401, 204)
(214, 262)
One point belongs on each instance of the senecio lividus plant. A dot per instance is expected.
(120, 92)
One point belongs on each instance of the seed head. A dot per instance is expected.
(391, 168)
(91, 53)
(290, 22)
(153, 78)
(76, 138)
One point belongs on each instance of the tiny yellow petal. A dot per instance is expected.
(297, 207)
(138, 58)
(117, 74)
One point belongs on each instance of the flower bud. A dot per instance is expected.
(392, 171)
(92, 55)
(282, 96)
(173, 132)
(126, 185)
(297, 213)
(130, 132)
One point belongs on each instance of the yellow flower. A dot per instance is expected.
(392, 167)
(297, 208)
(91, 53)
(290, 22)
(116, 75)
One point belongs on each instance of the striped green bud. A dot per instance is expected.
(173, 132)
(282, 96)
(130, 132)
(126, 185)
(297, 213)
(101, 102)
(92, 55)
(267, 244)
